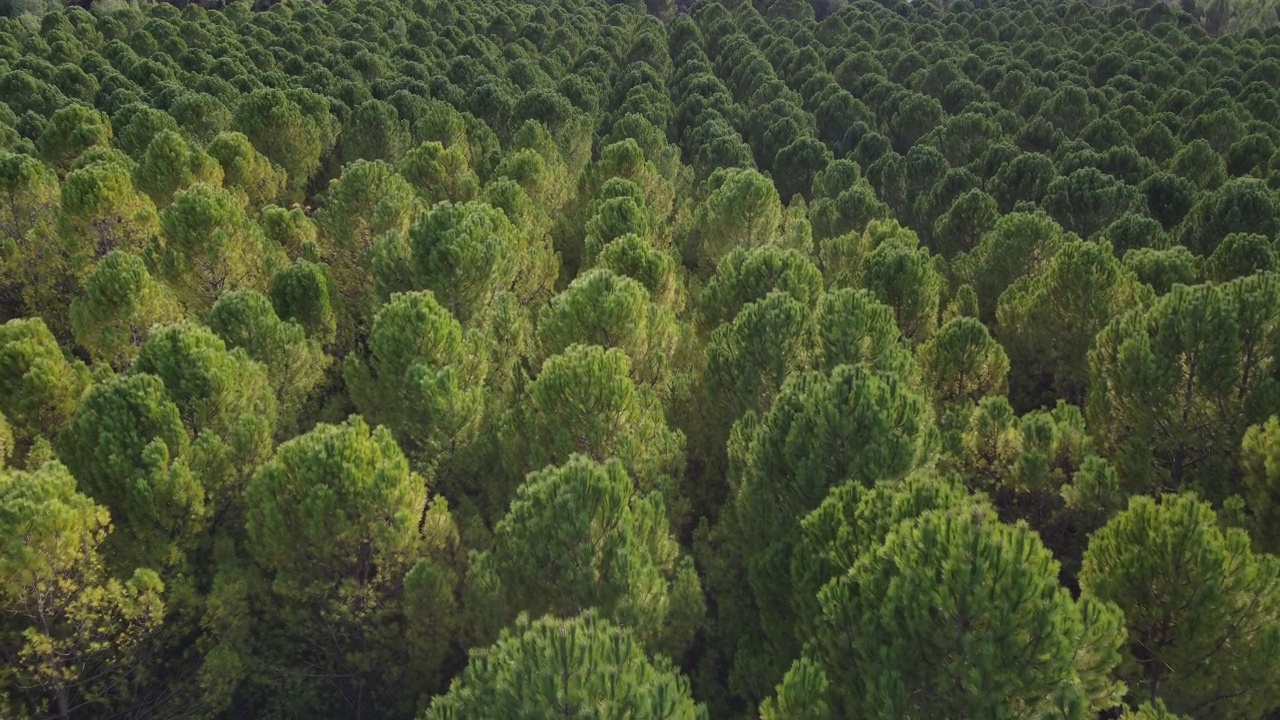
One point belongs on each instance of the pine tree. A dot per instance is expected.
(423, 377)
(352, 550)
(600, 308)
(582, 535)
(1260, 457)
(1047, 321)
(822, 431)
(296, 365)
(71, 629)
(120, 305)
(1173, 388)
(963, 363)
(128, 449)
(1202, 610)
(212, 246)
(1002, 637)
(584, 401)
(551, 667)
(40, 388)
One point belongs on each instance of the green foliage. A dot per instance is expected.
(1171, 391)
(1026, 178)
(423, 377)
(201, 115)
(543, 668)
(212, 246)
(742, 210)
(134, 126)
(339, 498)
(582, 535)
(584, 401)
(353, 550)
(1199, 605)
(103, 211)
(622, 213)
(302, 293)
(760, 286)
(295, 363)
(960, 229)
(245, 168)
(998, 604)
(40, 388)
(1020, 244)
(120, 304)
(1240, 255)
(850, 211)
(290, 230)
(71, 130)
(962, 362)
(1260, 457)
(886, 261)
(368, 202)
(127, 448)
(903, 277)
(468, 255)
(1239, 206)
(822, 431)
(215, 389)
(634, 257)
(439, 173)
(851, 522)
(1088, 200)
(36, 266)
(1041, 467)
(1135, 232)
(1151, 711)
(170, 164)
(600, 308)
(374, 131)
(1163, 269)
(749, 358)
(1200, 165)
(73, 631)
(799, 695)
(293, 129)
(916, 116)
(1047, 321)
(746, 276)
(852, 327)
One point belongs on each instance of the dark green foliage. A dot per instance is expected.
(1048, 320)
(1241, 255)
(888, 426)
(41, 387)
(293, 129)
(999, 603)
(1163, 269)
(582, 535)
(1169, 395)
(303, 293)
(743, 333)
(1239, 206)
(1087, 200)
(127, 448)
(349, 545)
(1217, 607)
(1169, 198)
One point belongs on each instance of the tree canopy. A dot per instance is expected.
(678, 358)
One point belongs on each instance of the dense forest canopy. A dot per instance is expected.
(419, 359)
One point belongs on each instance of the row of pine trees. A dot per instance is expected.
(430, 359)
